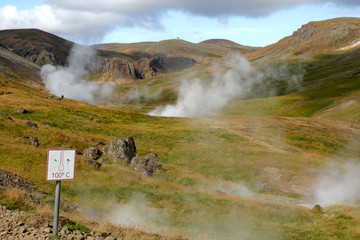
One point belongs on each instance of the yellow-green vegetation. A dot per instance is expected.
(238, 175)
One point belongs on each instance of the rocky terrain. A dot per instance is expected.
(123, 150)
(315, 38)
(15, 224)
(119, 68)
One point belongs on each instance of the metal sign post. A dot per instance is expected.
(56, 207)
(60, 166)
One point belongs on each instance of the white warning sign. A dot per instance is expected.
(61, 164)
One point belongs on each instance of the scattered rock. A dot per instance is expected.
(147, 164)
(9, 118)
(318, 209)
(31, 124)
(105, 234)
(78, 152)
(12, 180)
(121, 150)
(23, 111)
(94, 163)
(15, 181)
(64, 231)
(32, 141)
(92, 153)
(103, 160)
(5, 93)
(15, 224)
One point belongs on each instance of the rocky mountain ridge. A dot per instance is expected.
(38, 48)
(313, 38)
(13, 64)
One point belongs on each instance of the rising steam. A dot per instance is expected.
(197, 98)
(71, 81)
(338, 184)
(138, 214)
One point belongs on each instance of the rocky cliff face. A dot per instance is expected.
(145, 67)
(117, 68)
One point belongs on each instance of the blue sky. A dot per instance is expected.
(255, 23)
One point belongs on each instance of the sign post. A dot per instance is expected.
(60, 166)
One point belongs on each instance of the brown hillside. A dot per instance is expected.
(14, 66)
(229, 44)
(176, 48)
(40, 48)
(36, 46)
(315, 38)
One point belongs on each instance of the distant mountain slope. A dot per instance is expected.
(315, 38)
(177, 48)
(42, 48)
(229, 44)
(36, 46)
(14, 66)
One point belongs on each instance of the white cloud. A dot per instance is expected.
(253, 8)
(91, 20)
(76, 24)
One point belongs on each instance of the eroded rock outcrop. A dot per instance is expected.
(119, 68)
(92, 153)
(146, 165)
(23, 111)
(31, 124)
(32, 140)
(121, 150)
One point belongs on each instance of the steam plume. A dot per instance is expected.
(197, 98)
(136, 213)
(338, 184)
(71, 81)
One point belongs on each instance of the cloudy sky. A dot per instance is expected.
(253, 23)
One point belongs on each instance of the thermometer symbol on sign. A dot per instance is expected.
(61, 165)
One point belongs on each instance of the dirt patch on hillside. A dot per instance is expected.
(346, 103)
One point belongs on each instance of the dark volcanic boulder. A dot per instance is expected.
(23, 111)
(92, 153)
(103, 160)
(94, 163)
(32, 141)
(146, 165)
(121, 150)
(318, 209)
(31, 124)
